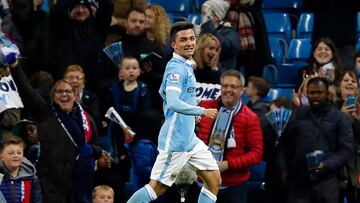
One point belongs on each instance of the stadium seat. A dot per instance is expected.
(299, 51)
(279, 92)
(305, 26)
(176, 7)
(194, 18)
(278, 48)
(288, 75)
(358, 44)
(278, 25)
(270, 73)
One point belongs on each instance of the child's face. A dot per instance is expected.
(103, 196)
(31, 133)
(357, 63)
(12, 156)
(130, 70)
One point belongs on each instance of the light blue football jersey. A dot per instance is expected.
(177, 133)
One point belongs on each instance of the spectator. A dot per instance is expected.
(33, 21)
(103, 194)
(28, 131)
(157, 25)
(348, 87)
(234, 137)
(275, 188)
(80, 30)
(19, 183)
(323, 53)
(42, 82)
(110, 173)
(256, 92)
(75, 75)
(213, 17)
(118, 19)
(246, 16)
(67, 135)
(206, 56)
(129, 97)
(320, 143)
(144, 147)
(136, 44)
(300, 97)
(326, 24)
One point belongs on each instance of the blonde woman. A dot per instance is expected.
(157, 25)
(206, 56)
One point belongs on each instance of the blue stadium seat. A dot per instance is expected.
(288, 75)
(194, 18)
(305, 25)
(176, 7)
(279, 92)
(358, 44)
(299, 51)
(278, 25)
(278, 48)
(270, 73)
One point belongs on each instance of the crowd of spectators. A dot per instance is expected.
(70, 152)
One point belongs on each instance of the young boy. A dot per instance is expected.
(19, 183)
(103, 194)
(130, 97)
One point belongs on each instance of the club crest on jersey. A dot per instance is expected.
(173, 176)
(174, 77)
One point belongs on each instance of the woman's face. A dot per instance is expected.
(210, 52)
(348, 86)
(150, 19)
(323, 53)
(64, 96)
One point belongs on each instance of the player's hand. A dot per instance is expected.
(210, 113)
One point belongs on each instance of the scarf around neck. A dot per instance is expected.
(76, 124)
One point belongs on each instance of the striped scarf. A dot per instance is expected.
(241, 19)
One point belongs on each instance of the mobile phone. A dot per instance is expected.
(327, 68)
(351, 100)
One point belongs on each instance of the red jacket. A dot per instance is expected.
(249, 143)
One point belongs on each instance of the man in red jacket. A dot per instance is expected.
(234, 137)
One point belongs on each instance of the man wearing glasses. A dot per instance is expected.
(234, 137)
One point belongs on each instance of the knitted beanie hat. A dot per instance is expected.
(220, 7)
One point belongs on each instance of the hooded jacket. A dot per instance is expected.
(26, 184)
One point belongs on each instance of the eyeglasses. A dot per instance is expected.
(224, 86)
(73, 77)
(61, 91)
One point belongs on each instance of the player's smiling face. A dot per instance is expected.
(185, 43)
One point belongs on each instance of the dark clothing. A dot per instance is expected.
(260, 107)
(35, 30)
(206, 75)
(335, 138)
(81, 42)
(135, 46)
(254, 61)
(230, 43)
(113, 178)
(58, 164)
(324, 192)
(91, 104)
